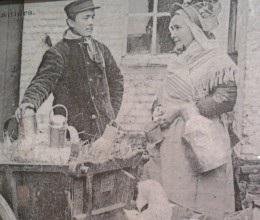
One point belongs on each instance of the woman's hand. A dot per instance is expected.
(169, 116)
(158, 113)
(165, 117)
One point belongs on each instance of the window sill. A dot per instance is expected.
(145, 60)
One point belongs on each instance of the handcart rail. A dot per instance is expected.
(42, 168)
(80, 169)
(108, 208)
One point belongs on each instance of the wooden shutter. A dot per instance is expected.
(11, 24)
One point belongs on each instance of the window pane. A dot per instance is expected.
(165, 5)
(140, 6)
(164, 43)
(139, 36)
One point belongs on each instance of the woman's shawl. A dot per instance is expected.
(194, 74)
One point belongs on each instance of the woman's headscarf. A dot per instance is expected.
(201, 18)
(198, 34)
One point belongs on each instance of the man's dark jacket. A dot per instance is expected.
(91, 90)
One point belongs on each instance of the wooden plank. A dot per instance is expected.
(12, 184)
(108, 208)
(125, 33)
(78, 196)
(154, 36)
(3, 48)
(13, 61)
(80, 217)
(89, 194)
(135, 159)
(10, 60)
(232, 28)
(42, 168)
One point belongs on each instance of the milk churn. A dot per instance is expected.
(27, 126)
(58, 125)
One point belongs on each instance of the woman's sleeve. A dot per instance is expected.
(222, 100)
(222, 93)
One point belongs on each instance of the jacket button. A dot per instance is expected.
(92, 97)
(93, 117)
(100, 76)
(90, 80)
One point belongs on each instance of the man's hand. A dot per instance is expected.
(20, 111)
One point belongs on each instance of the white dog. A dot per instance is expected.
(152, 194)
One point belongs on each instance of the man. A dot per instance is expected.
(82, 75)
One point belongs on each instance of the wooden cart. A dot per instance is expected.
(79, 191)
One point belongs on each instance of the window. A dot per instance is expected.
(148, 22)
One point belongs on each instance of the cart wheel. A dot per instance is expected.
(6, 212)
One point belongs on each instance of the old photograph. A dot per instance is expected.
(129, 110)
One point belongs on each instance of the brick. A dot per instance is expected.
(252, 197)
(253, 188)
(247, 169)
(254, 178)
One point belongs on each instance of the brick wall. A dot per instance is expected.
(247, 173)
(141, 84)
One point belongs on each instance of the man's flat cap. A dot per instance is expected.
(79, 6)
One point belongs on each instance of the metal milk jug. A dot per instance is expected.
(58, 125)
(28, 124)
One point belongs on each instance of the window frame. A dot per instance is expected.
(232, 31)
(155, 15)
(161, 58)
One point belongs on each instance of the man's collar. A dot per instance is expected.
(69, 35)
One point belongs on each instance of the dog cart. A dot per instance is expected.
(78, 191)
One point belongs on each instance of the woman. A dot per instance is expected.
(199, 79)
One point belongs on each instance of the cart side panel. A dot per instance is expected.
(110, 188)
(112, 191)
(5, 188)
(41, 196)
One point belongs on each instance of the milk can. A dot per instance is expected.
(58, 125)
(27, 126)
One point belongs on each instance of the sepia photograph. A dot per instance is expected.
(129, 110)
